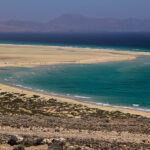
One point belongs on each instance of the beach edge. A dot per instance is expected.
(12, 89)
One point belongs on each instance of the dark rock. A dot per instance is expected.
(39, 141)
(15, 140)
(78, 148)
(36, 96)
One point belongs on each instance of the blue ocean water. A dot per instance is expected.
(125, 84)
(116, 41)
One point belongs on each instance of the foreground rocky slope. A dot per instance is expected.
(39, 123)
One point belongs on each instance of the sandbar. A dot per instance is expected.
(33, 55)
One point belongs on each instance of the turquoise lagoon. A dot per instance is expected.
(118, 84)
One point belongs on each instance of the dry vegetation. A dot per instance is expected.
(36, 118)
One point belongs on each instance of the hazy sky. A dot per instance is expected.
(45, 10)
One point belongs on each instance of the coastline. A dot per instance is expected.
(6, 88)
(19, 56)
(32, 55)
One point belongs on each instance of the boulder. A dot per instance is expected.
(15, 140)
(58, 140)
(38, 141)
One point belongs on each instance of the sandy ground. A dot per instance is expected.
(72, 133)
(96, 135)
(7, 147)
(30, 56)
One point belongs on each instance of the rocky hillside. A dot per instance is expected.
(35, 123)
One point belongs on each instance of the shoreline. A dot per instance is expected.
(115, 49)
(21, 58)
(79, 98)
(29, 93)
(74, 46)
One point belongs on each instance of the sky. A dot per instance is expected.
(45, 10)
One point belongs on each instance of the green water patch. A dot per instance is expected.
(124, 84)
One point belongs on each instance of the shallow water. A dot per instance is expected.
(124, 84)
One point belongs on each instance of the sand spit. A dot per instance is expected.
(29, 55)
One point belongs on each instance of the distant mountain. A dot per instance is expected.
(78, 23)
(20, 26)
